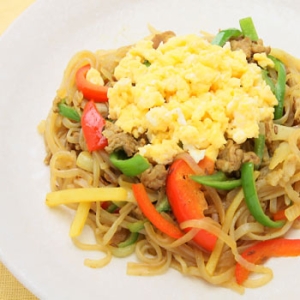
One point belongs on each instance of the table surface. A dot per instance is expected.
(10, 288)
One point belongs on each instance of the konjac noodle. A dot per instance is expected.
(182, 150)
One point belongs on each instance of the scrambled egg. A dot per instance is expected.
(189, 95)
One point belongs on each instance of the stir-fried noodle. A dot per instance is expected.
(115, 217)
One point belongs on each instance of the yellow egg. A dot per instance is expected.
(192, 94)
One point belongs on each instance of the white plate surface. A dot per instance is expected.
(34, 241)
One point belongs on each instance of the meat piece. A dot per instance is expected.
(118, 139)
(120, 236)
(162, 38)
(258, 47)
(251, 157)
(155, 177)
(242, 44)
(232, 156)
(249, 47)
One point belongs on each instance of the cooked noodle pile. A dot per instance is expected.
(227, 215)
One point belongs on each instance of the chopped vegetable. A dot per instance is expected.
(90, 91)
(85, 161)
(279, 86)
(187, 200)
(148, 209)
(259, 147)
(271, 248)
(207, 165)
(147, 63)
(268, 79)
(92, 125)
(280, 215)
(136, 226)
(248, 28)
(259, 144)
(129, 166)
(218, 176)
(68, 112)
(164, 205)
(133, 237)
(291, 213)
(225, 35)
(218, 180)
(251, 197)
(86, 195)
(81, 215)
(112, 208)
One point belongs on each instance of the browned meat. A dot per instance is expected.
(162, 38)
(232, 156)
(251, 157)
(154, 177)
(249, 47)
(120, 236)
(118, 139)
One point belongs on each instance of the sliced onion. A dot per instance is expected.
(191, 162)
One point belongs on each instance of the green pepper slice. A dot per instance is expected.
(279, 89)
(248, 28)
(68, 112)
(129, 166)
(130, 240)
(225, 35)
(251, 197)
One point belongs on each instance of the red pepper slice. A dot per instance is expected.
(261, 251)
(152, 214)
(92, 125)
(187, 200)
(90, 91)
(280, 215)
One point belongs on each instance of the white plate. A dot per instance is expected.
(34, 241)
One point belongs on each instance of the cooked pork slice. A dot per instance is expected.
(154, 177)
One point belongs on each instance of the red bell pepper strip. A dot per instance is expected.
(280, 215)
(152, 214)
(90, 91)
(92, 124)
(187, 200)
(257, 253)
(207, 165)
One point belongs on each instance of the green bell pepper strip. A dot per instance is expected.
(218, 176)
(268, 80)
(248, 28)
(130, 240)
(68, 112)
(251, 197)
(225, 35)
(228, 184)
(218, 180)
(147, 63)
(164, 205)
(112, 208)
(259, 145)
(129, 166)
(279, 89)
(137, 226)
